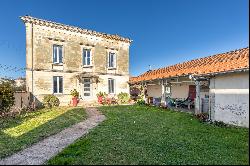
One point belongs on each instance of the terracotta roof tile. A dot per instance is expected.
(233, 60)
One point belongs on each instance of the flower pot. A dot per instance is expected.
(75, 101)
(100, 99)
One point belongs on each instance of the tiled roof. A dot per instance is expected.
(229, 61)
(73, 28)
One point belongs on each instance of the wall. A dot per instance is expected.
(22, 99)
(154, 91)
(42, 39)
(180, 90)
(229, 98)
(43, 83)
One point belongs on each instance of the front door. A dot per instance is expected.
(86, 89)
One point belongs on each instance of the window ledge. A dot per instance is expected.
(111, 68)
(57, 64)
(90, 66)
(58, 94)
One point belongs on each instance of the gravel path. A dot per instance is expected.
(42, 151)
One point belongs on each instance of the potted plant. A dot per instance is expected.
(101, 97)
(75, 96)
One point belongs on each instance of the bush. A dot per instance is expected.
(7, 98)
(51, 101)
(202, 117)
(140, 102)
(220, 124)
(123, 97)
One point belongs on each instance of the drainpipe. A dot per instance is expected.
(32, 66)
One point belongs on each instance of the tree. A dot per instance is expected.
(6, 96)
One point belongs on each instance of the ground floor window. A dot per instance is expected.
(57, 84)
(86, 87)
(111, 85)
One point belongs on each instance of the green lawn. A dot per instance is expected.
(149, 135)
(22, 131)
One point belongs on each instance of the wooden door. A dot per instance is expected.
(192, 92)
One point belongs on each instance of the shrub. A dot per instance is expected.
(140, 102)
(74, 93)
(202, 117)
(220, 124)
(101, 94)
(7, 98)
(123, 97)
(51, 101)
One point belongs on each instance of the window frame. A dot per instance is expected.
(114, 59)
(57, 50)
(57, 84)
(111, 79)
(84, 59)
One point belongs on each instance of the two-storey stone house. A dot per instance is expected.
(60, 58)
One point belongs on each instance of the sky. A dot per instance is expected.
(164, 32)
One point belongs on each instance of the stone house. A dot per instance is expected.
(60, 58)
(218, 85)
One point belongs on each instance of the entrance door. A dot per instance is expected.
(192, 92)
(86, 90)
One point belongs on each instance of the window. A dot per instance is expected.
(112, 60)
(111, 85)
(57, 84)
(86, 87)
(57, 54)
(86, 57)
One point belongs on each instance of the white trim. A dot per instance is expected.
(114, 59)
(85, 59)
(229, 91)
(114, 89)
(57, 51)
(90, 88)
(57, 82)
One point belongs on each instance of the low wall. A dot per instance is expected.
(22, 99)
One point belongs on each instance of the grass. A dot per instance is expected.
(22, 131)
(148, 135)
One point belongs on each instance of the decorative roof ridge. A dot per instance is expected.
(53, 24)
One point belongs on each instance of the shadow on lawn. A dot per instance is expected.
(10, 144)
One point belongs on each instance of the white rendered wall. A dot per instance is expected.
(229, 98)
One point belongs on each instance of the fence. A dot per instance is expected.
(22, 99)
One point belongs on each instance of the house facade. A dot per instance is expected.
(60, 58)
(218, 85)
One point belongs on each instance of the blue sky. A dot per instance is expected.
(164, 32)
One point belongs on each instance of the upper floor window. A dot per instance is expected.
(87, 57)
(57, 54)
(112, 60)
(57, 84)
(111, 85)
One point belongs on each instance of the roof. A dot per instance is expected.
(224, 62)
(51, 24)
